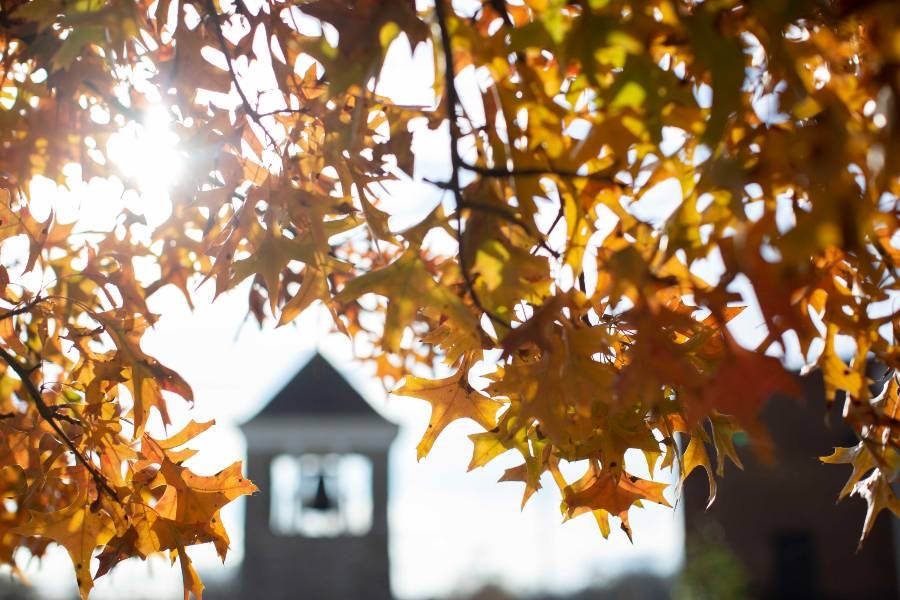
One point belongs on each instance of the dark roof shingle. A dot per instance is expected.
(317, 389)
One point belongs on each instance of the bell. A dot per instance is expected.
(321, 501)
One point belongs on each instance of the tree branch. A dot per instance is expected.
(22, 309)
(49, 415)
(223, 46)
(534, 172)
(456, 163)
(284, 111)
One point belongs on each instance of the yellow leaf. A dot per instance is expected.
(79, 528)
(451, 398)
(695, 455)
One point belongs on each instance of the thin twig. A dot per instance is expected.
(534, 172)
(49, 415)
(22, 309)
(512, 220)
(559, 216)
(452, 97)
(223, 46)
(284, 111)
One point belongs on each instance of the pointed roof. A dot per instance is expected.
(318, 389)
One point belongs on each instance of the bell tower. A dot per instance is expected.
(318, 528)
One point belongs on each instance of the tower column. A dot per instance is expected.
(309, 556)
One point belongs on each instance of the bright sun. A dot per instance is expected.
(147, 153)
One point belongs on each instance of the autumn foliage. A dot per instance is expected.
(595, 317)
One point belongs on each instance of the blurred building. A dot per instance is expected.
(777, 528)
(318, 526)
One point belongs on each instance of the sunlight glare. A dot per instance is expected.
(147, 153)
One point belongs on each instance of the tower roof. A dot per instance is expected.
(318, 389)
